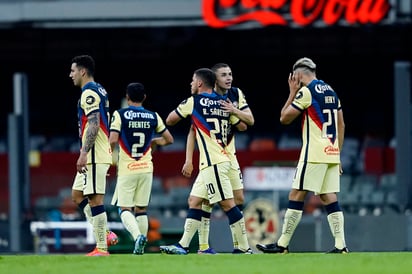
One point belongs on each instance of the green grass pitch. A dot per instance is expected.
(352, 263)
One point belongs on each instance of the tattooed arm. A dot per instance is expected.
(93, 121)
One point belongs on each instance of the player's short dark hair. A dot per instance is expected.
(207, 76)
(136, 92)
(85, 61)
(218, 66)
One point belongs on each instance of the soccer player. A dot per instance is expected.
(236, 104)
(133, 128)
(211, 124)
(95, 157)
(319, 168)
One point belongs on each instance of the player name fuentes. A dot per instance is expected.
(300, 12)
(139, 124)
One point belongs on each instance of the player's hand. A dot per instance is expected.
(294, 82)
(81, 164)
(153, 145)
(187, 169)
(227, 106)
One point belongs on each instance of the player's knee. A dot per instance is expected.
(328, 198)
(140, 209)
(195, 202)
(239, 197)
(239, 200)
(297, 195)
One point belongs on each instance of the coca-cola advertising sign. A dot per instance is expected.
(225, 13)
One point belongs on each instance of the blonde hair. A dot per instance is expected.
(305, 63)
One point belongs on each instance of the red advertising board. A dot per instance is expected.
(225, 13)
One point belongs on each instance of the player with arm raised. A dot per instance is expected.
(319, 166)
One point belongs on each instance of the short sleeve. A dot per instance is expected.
(242, 100)
(303, 99)
(234, 120)
(116, 122)
(186, 107)
(89, 101)
(160, 124)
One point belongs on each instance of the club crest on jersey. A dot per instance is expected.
(90, 100)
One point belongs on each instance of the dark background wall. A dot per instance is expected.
(357, 61)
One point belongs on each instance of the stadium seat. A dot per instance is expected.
(289, 142)
(388, 181)
(262, 144)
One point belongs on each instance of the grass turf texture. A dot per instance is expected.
(362, 262)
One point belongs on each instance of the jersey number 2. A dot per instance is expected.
(138, 145)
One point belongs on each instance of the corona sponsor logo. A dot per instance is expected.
(225, 13)
(130, 114)
(206, 102)
(322, 88)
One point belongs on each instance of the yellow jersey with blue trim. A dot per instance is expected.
(94, 98)
(319, 104)
(238, 99)
(136, 127)
(211, 125)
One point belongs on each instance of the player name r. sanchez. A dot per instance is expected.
(216, 111)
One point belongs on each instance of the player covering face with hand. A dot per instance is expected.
(318, 169)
